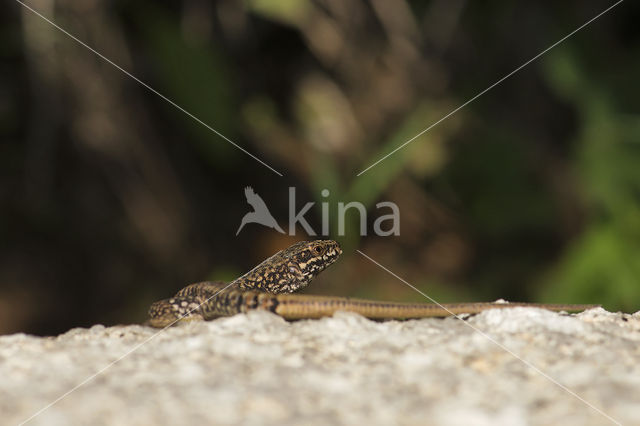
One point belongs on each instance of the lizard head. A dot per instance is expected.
(293, 268)
(306, 259)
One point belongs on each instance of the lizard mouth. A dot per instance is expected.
(333, 252)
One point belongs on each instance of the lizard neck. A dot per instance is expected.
(270, 276)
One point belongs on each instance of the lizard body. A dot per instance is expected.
(268, 286)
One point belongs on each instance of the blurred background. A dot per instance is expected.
(111, 198)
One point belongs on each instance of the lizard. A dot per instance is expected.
(269, 285)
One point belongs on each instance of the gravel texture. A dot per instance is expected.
(260, 369)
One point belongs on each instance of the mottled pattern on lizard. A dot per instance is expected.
(268, 286)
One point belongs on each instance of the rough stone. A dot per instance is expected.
(515, 366)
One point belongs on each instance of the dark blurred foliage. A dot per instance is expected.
(112, 198)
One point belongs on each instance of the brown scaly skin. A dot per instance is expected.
(267, 286)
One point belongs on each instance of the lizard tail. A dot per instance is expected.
(298, 306)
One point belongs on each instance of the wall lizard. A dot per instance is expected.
(269, 284)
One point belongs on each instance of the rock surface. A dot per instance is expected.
(260, 369)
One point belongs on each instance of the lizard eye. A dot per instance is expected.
(317, 251)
